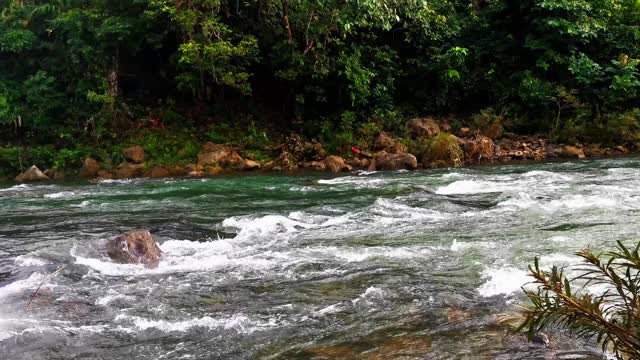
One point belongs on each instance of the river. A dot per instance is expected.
(415, 265)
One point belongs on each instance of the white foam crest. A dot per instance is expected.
(521, 201)
(547, 175)
(32, 282)
(393, 209)
(357, 181)
(112, 296)
(21, 187)
(371, 294)
(183, 256)
(603, 201)
(303, 189)
(473, 187)
(238, 322)
(252, 227)
(27, 260)
(559, 259)
(458, 246)
(60, 195)
(503, 281)
(116, 181)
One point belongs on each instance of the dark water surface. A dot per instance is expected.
(415, 265)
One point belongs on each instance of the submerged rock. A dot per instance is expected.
(134, 247)
(32, 174)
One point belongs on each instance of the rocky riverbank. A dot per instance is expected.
(429, 144)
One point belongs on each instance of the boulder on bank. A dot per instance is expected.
(134, 247)
(284, 162)
(443, 150)
(134, 154)
(32, 174)
(127, 170)
(392, 162)
(159, 172)
(90, 168)
(423, 127)
(572, 152)
(389, 144)
(250, 165)
(216, 154)
(336, 164)
(479, 148)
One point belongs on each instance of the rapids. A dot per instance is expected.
(364, 265)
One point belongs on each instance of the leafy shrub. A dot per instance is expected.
(612, 318)
(489, 123)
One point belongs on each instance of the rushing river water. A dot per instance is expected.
(422, 265)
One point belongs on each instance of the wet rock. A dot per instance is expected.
(401, 347)
(303, 151)
(159, 172)
(423, 127)
(360, 163)
(134, 247)
(330, 352)
(456, 316)
(250, 165)
(134, 154)
(336, 164)
(103, 174)
(572, 152)
(194, 170)
(90, 168)
(177, 170)
(213, 170)
(32, 174)
(594, 150)
(392, 162)
(216, 154)
(622, 149)
(128, 170)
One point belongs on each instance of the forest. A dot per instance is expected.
(78, 77)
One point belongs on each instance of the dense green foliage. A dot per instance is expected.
(87, 70)
(601, 302)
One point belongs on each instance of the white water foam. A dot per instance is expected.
(473, 187)
(238, 322)
(60, 195)
(112, 296)
(27, 260)
(21, 187)
(503, 281)
(20, 286)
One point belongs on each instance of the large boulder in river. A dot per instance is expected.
(32, 174)
(216, 154)
(134, 247)
(423, 127)
(391, 162)
(134, 154)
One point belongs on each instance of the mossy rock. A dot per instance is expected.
(443, 150)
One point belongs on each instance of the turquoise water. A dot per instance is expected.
(366, 265)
